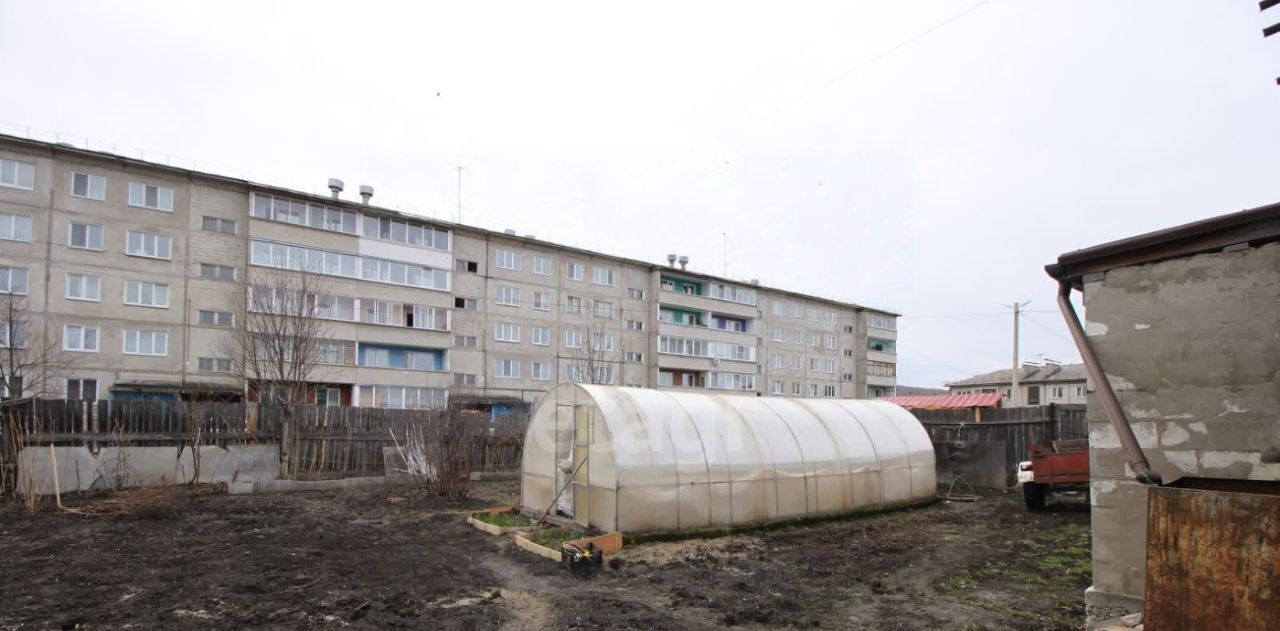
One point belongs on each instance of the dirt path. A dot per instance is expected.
(386, 558)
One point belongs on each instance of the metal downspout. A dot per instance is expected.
(1136, 459)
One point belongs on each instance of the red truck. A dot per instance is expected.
(1054, 466)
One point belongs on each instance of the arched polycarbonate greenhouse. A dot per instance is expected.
(639, 460)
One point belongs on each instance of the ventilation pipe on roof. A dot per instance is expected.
(335, 187)
(684, 262)
(366, 192)
(1137, 460)
(671, 260)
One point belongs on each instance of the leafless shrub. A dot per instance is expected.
(438, 451)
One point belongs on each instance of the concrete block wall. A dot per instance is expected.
(1192, 348)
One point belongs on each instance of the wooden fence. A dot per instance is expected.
(988, 453)
(317, 442)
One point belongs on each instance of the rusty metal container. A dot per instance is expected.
(1213, 555)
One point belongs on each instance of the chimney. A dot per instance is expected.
(335, 187)
(671, 260)
(684, 261)
(755, 281)
(366, 192)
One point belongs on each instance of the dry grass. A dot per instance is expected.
(148, 502)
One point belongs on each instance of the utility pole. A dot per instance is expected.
(726, 253)
(1013, 390)
(460, 170)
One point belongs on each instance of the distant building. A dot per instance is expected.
(1037, 384)
(908, 391)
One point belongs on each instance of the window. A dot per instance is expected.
(464, 379)
(881, 322)
(846, 377)
(736, 352)
(602, 276)
(506, 369)
(403, 397)
(573, 373)
(635, 358)
(84, 287)
(828, 391)
(16, 174)
(217, 224)
(740, 295)
(376, 357)
(85, 236)
(1080, 393)
(814, 339)
(424, 317)
(15, 227)
(82, 389)
(777, 360)
(881, 369)
(795, 362)
(635, 294)
(463, 265)
(328, 397)
(304, 214)
(882, 345)
(602, 309)
(797, 337)
(509, 259)
(573, 338)
(795, 388)
(13, 280)
(829, 341)
(506, 332)
(146, 294)
(213, 364)
(156, 246)
(776, 387)
(1033, 395)
(829, 365)
(213, 318)
(541, 301)
(813, 389)
(778, 335)
(1056, 392)
(541, 371)
(88, 186)
(394, 230)
(80, 338)
(635, 325)
(541, 336)
(465, 341)
(541, 266)
(13, 332)
(151, 196)
(573, 271)
(813, 364)
(602, 341)
(509, 296)
(467, 304)
(217, 272)
(154, 343)
(682, 346)
(731, 381)
(572, 304)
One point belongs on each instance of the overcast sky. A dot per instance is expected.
(924, 156)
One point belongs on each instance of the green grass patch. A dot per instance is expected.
(553, 538)
(504, 520)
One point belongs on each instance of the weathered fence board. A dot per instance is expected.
(988, 453)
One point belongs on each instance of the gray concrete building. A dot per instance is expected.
(137, 269)
(1185, 322)
(1038, 384)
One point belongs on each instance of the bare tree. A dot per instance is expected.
(279, 343)
(30, 362)
(596, 359)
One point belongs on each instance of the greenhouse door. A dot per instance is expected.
(581, 450)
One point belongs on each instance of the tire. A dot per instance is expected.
(1034, 494)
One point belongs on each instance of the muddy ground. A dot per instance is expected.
(390, 558)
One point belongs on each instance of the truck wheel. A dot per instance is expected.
(1034, 494)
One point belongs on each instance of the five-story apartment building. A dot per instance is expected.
(139, 272)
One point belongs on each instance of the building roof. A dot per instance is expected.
(1050, 373)
(947, 401)
(906, 391)
(1255, 227)
(457, 227)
